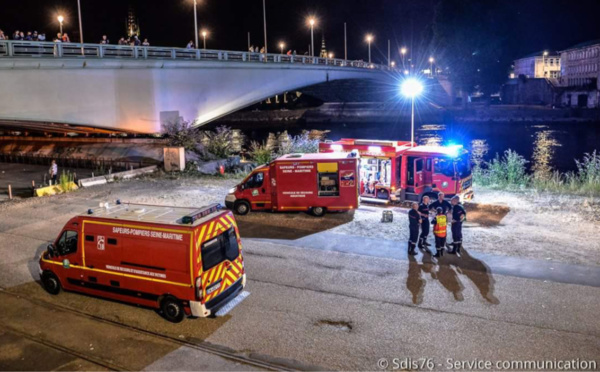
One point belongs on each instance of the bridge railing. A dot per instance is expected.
(34, 49)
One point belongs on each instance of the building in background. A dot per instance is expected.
(580, 75)
(323, 53)
(538, 66)
(133, 24)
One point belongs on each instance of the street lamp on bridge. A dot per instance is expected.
(61, 19)
(369, 40)
(196, 21)
(311, 22)
(403, 51)
(204, 33)
(431, 60)
(281, 46)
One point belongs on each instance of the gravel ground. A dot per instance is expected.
(524, 224)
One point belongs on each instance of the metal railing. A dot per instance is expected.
(35, 49)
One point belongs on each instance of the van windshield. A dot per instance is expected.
(444, 166)
(223, 247)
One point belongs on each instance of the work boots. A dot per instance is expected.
(411, 249)
(439, 253)
(458, 247)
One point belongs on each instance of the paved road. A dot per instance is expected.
(327, 306)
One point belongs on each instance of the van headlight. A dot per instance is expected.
(232, 190)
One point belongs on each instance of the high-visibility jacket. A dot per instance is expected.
(440, 229)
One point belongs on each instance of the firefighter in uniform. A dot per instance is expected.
(440, 228)
(458, 216)
(441, 203)
(424, 212)
(414, 220)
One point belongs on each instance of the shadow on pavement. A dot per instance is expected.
(288, 226)
(446, 270)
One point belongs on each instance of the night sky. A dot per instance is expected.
(538, 24)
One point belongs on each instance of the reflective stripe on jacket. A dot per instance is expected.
(440, 229)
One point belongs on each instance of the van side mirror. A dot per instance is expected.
(51, 250)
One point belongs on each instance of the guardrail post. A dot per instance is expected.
(244, 57)
(135, 52)
(220, 56)
(10, 48)
(173, 54)
(225, 56)
(198, 55)
(101, 51)
(145, 52)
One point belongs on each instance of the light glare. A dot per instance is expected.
(411, 88)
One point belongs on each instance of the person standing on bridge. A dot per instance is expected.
(2, 37)
(65, 38)
(414, 220)
(146, 43)
(53, 172)
(190, 45)
(104, 40)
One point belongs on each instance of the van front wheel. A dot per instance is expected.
(50, 283)
(242, 207)
(318, 211)
(172, 309)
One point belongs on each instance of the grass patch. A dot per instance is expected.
(509, 172)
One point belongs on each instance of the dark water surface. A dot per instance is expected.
(565, 141)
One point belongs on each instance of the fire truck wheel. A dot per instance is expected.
(242, 207)
(51, 283)
(318, 211)
(172, 309)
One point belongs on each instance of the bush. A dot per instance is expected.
(182, 133)
(220, 142)
(65, 180)
(260, 153)
(301, 144)
(508, 171)
(542, 156)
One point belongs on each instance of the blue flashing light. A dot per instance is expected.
(454, 150)
(90, 211)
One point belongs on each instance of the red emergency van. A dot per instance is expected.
(183, 261)
(317, 183)
(396, 171)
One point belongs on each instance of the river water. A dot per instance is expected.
(560, 142)
(563, 142)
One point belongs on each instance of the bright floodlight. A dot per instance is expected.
(411, 88)
(311, 21)
(204, 33)
(369, 38)
(403, 50)
(430, 59)
(61, 19)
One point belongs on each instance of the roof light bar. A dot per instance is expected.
(203, 212)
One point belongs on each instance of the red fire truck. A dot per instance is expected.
(299, 182)
(183, 261)
(396, 171)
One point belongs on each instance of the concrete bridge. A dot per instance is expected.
(136, 89)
